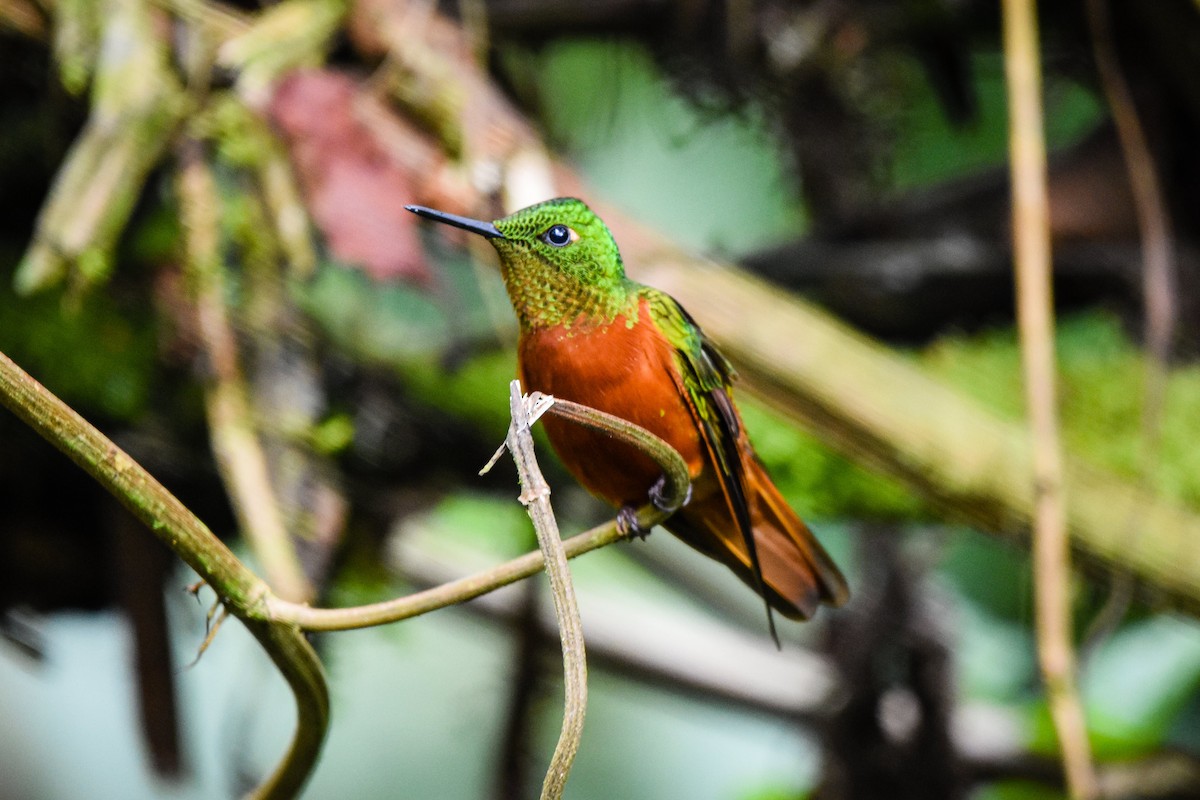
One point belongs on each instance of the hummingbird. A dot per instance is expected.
(591, 335)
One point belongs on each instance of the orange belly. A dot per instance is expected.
(621, 369)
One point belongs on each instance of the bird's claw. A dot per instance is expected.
(660, 502)
(627, 518)
(628, 524)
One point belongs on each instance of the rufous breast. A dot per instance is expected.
(626, 368)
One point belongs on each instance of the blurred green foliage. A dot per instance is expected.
(818, 481)
(714, 182)
(1017, 790)
(927, 147)
(1137, 684)
(97, 352)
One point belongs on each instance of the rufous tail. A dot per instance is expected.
(798, 575)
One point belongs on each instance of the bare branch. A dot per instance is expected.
(535, 496)
(1159, 284)
(1035, 318)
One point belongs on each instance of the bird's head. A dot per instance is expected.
(558, 258)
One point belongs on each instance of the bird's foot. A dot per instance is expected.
(660, 502)
(628, 525)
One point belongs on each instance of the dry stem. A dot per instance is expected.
(535, 496)
(1031, 246)
(674, 491)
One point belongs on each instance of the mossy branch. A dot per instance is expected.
(240, 590)
(137, 104)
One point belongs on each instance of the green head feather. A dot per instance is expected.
(560, 263)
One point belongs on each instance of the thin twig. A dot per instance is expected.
(448, 594)
(212, 622)
(1031, 246)
(535, 496)
(539, 404)
(1159, 305)
(675, 489)
(677, 482)
(1154, 227)
(242, 592)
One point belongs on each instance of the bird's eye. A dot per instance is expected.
(559, 236)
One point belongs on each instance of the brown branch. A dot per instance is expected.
(1035, 318)
(23, 17)
(447, 594)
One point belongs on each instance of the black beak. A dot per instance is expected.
(485, 229)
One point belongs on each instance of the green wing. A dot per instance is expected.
(707, 378)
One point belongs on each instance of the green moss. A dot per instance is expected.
(818, 481)
(96, 353)
(1101, 394)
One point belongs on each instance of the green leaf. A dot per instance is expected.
(1138, 683)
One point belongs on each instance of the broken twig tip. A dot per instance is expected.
(536, 404)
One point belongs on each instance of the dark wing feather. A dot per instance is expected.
(707, 378)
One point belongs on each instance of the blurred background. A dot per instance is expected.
(202, 232)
